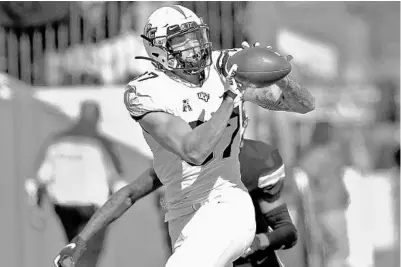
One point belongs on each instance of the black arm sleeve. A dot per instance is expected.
(284, 234)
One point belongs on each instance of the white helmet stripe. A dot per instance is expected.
(178, 8)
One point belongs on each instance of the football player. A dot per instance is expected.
(190, 113)
(262, 171)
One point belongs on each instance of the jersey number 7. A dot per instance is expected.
(146, 76)
(224, 147)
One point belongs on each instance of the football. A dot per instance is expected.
(259, 66)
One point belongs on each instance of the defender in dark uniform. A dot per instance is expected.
(263, 173)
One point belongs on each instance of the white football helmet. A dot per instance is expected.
(175, 38)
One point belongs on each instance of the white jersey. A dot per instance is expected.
(187, 184)
(77, 170)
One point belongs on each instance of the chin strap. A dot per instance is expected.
(147, 58)
(146, 38)
(157, 64)
(154, 62)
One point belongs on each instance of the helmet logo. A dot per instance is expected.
(173, 29)
(188, 25)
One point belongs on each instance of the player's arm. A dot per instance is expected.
(285, 95)
(114, 208)
(176, 135)
(283, 234)
(274, 208)
(119, 202)
(270, 181)
(192, 145)
(295, 96)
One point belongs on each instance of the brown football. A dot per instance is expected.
(259, 66)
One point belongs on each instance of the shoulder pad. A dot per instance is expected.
(262, 150)
(143, 95)
(271, 165)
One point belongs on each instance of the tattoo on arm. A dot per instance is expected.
(298, 97)
(264, 98)
(293, 97)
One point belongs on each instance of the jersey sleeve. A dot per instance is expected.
(45, 171)
(271, 181)
(139, 100)
(274, 170)
(266, 167)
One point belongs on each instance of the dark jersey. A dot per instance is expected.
(262, 172)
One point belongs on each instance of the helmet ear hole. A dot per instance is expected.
(172, 63)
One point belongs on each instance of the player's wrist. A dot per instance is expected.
(229, 95)
(283, 83)
(79, 241)
(263, 241)
(71, 252)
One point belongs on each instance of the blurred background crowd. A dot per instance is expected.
(342, 160)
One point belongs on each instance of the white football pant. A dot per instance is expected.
(216, 234)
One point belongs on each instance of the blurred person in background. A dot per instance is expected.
(373, 178)
(386, 139)
(359, 166)
(77, 169)
(397, 207)
(385, 133)
(324, 166)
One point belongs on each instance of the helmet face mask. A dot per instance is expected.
(178, 40)
(190, 49)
